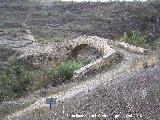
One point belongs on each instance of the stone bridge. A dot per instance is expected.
(100, 44)
(104, 46)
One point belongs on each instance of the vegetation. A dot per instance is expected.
(18, 80)
(14, 81)
(67, 68)
(134, 38)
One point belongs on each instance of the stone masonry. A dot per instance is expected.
(103, 46)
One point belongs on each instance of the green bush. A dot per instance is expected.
(14, 82)
(67, 68)
(134, 38)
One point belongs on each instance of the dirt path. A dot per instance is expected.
(91, 83)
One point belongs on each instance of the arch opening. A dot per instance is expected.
(85, 52)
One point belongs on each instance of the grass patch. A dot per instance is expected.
(134, 38)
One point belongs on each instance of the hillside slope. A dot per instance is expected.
(59, 21)
(135, 97)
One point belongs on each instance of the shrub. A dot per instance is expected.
(67, 68)
(134, 38)
(23, 79)
(14, 82)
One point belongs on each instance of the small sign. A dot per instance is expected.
(51, 101)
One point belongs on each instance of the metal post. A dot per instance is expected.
(51, 99)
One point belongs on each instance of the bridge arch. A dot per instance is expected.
(85, 51)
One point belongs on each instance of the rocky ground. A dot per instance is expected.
(62, 21)
(130, 97)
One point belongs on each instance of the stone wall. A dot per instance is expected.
(96, 65)
(37, 54)
(129, 47)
